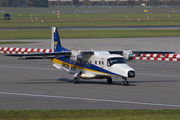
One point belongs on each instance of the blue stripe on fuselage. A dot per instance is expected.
(86, 65)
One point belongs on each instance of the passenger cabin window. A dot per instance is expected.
(95, 62)
(90, 61)
(99, 62)
(102, 62)
(116, 60)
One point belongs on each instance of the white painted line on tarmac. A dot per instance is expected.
(91, 99)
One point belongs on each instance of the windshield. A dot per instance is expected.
(116, 60)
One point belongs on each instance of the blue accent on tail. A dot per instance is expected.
(57, 43)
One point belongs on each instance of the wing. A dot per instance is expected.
(129, 54)
(142, 52)
(87, 53)
(41, 55)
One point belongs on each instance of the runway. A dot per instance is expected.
(36, 84)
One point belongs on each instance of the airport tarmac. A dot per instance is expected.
(36, 84)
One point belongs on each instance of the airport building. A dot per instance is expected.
(116, 2)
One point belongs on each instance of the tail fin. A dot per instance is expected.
(56, 43)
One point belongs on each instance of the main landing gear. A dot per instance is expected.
(109, 80)
(77, 77)
(125, 82)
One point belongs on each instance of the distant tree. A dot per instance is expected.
(40, 3)
(76, 2)
(154, 2)
(4, 3)
(15, 3)
(131, 2)
(30, 4)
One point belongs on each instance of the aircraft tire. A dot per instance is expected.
(109, 80)
(76, 80)
(123, 83)
(127, 83)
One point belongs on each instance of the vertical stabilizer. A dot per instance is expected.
(56, 43)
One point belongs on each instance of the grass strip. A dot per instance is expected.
(47, 19)
(90, 114)
(46, 34)
(15, 42)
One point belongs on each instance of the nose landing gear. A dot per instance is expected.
(125, 82)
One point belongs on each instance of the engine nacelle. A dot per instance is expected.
(127, 54)
(76, 56)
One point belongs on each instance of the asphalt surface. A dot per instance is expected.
(36, 84)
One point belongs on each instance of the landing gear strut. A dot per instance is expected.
(109, 80)
(125, 82)
(77, 77)
(76, 80)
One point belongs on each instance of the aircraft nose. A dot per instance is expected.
(131, 74)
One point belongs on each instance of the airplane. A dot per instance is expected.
(89, 64)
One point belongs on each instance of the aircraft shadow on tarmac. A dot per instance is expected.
(97, 82)
(104, 82)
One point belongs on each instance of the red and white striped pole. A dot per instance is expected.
(58, 14)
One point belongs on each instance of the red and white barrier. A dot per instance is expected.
(160, 55)
(160, 59)
(9, 50)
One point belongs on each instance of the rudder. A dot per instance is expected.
(56, 43)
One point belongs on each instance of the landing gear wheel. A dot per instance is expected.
(109, 80)
(127, 83)
(123, 83)
(76, 80)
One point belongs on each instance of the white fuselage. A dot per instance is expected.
(96, 66)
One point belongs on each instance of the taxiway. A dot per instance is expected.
(36, 84)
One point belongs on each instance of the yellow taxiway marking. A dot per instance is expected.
(49, 102)
(17, 103)
(91, 101)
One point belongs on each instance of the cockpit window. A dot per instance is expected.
(116, 60)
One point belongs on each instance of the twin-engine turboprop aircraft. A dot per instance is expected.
(89, 64)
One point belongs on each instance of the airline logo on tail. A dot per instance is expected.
(55, 44)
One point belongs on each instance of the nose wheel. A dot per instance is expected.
(125, 82)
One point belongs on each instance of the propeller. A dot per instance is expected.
(128, 47)
(80, 47)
